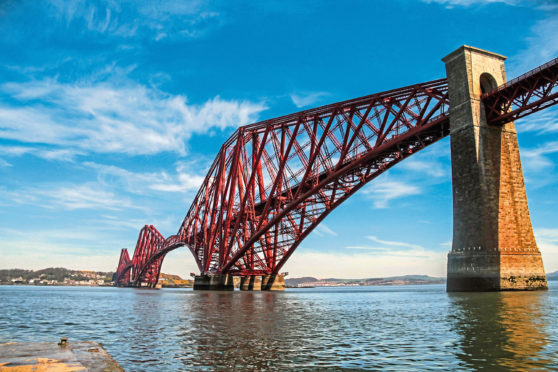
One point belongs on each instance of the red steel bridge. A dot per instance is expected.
(274, 181)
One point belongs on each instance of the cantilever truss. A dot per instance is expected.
(122, 276)
(145, 266)
(273, 182)
(524, 95)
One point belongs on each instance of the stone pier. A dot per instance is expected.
(214, 282)
(494, 246)
(251, 283)
(273, 282)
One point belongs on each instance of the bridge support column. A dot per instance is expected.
(273, 282)
(251, 283)
(494, 246)
(214, 282)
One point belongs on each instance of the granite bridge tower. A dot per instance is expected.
(494, 247)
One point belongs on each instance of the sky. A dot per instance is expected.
(112, 111)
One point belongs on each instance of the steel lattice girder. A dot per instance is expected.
(273, 182)
(149, 253)
(123, 271)
(147, 245)
(524, 95)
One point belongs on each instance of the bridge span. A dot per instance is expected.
(274, 181)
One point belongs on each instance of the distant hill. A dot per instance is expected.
(552, 275)
(296, 281)
(392, 280)
(174, 281)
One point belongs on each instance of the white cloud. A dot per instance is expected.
(128, 19)
(536, 159)
(547, 240)
(394, 243)
(69, 197)
(47, 154)
(465, 3)
(383, 190)
(322, 229)
(185, 179)
(430, 167)
(105, 118)
(365, 265)
(4, 163)
(305, 99)
(542, 122)
(542, 44)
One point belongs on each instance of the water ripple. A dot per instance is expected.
(365, 328)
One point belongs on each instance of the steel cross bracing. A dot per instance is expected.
(122, 276)
(273, 182)
(524, 95)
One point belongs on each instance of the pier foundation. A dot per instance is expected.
(273, 282)
(251, 283)
(214, 282)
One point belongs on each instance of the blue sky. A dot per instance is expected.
(111, 113)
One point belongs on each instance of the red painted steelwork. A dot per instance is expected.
(122, 276)
(273, 182)
(524, 95)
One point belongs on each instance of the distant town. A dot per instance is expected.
(66, 277)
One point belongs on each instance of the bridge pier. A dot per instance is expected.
(251, 283)
(214, 282)
(273, 282)
(494, 247)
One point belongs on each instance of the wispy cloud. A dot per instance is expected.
(431, 167)
(392, 248)
(366, 265)
(127, 19)
(465, 3)
(184, 180)
(69, 197)
(547, 240)
(105, 118)
(322, 229)
(47, 154)
(384, 190)
(306, 99)
(542, 43)
(4, 163)
(542, 122)
(390, 243)
(536, 159)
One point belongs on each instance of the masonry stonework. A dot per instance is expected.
(494, 247)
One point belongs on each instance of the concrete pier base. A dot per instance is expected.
(273, 282)
(480, 271)
(214, 282)
(52, 356)
(250, 283)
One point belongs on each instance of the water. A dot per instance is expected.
(351, 328)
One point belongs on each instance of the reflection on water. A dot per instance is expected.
(397, 328)
(505, 330)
